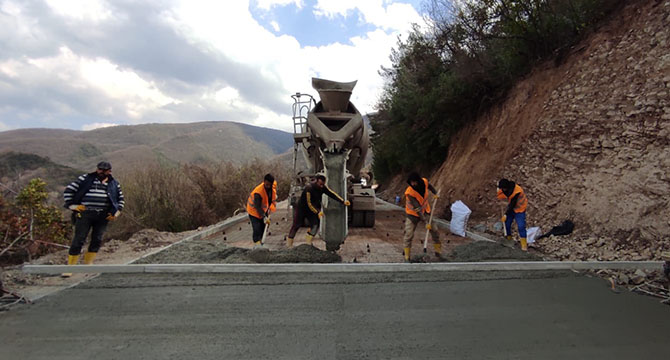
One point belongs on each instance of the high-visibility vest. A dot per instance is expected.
(260, 190)
(521, 202)
(425, 207)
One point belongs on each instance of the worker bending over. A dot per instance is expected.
(309, 207)
(516, 209)
(416, 210)
(261, 203)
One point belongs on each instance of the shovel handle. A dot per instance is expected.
(430, 220)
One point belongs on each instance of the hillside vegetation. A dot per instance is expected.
(16, 170)
(587, 135)
(476, 50)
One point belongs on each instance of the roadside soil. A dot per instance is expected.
(380, 244)
(33, 286)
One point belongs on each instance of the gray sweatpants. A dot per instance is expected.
(410, 226)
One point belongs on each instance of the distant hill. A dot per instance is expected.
(130, 146)
(16, 170)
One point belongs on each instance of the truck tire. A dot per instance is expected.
(332, 247)
(369, 219)
(358, 218)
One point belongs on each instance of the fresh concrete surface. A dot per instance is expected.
(381, 267)
(482, 315)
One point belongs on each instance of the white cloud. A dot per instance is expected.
(120, 84)
(78, 83)
(97, 126)
(284, 59)
(268, 4)
(132, 96)
(82, 10)
(381, 13)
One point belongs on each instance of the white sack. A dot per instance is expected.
(532, 234)
(459, 218)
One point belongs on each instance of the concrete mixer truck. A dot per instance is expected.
(332, 139)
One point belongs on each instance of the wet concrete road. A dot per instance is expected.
(338, 316)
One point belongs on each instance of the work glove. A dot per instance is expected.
(111, 217)
(435, 196)
(429, 227)
(347, 203)
(320, 214)
(267, 220)
(503, 219)
(78, 208)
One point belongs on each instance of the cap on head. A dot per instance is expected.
(104, 165)
(504, 184)
(414, 176)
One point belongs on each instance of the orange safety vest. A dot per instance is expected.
(260, 190)
(425, 207)
(521, 202)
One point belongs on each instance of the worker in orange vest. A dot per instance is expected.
(517, 202)
(416, 210)
(261, 203)
(309, 208)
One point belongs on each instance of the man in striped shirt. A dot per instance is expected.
(95, 199)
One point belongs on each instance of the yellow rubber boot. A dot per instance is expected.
(308, 239)
(89, 257)
(524, 244)
(508, 237)
(406, 254)
(258, 245)
(71, 260)
(438, 250)
(289, 242)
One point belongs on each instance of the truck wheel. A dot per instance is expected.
(369, 219)
(332, 247)
(358, 218)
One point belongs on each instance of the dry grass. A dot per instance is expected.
(188, 196)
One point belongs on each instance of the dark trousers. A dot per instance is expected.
(83, 224)
(258, 226)
(299, 216)
(520, 223)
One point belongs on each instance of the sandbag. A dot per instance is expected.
(459, 218)
(532, 234)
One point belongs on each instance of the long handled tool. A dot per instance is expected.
(265, 232)
(430, 221)
(504, 226)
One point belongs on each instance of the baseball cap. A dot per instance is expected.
(104, 165)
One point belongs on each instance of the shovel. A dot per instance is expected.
(430, 221)
(265, 233)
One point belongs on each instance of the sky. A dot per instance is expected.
(86, 64)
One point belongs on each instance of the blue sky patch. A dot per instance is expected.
(309, 29)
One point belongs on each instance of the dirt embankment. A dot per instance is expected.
(587, 136)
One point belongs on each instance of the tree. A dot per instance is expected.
(473, 52)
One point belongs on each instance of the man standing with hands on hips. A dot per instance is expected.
(95, 199)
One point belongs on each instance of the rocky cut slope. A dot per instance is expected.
(587, 136)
